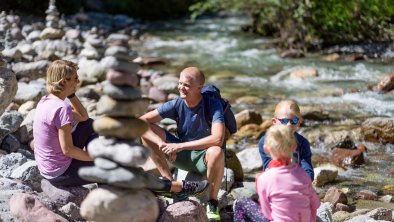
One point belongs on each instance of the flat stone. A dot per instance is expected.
(131, 178)
(122, 53)
(121, 92)
(122, 108)
(111, 62)
(122, 128)
(122, 78)
(105, 163)
(123, 152)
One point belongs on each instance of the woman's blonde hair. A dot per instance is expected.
(281, 141)
(59, 70)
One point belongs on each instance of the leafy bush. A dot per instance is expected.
(307, 23)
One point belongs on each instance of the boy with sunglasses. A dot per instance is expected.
(287, 112)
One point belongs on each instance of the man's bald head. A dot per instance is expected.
(194, 73)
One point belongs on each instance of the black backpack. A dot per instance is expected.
(210, 92)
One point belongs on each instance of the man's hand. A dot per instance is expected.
(169, 148)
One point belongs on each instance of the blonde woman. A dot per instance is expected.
(285, 190)
(58, 149)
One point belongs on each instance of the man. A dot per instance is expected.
(197, 147)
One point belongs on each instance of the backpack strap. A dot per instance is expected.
(207, 111)
(177, 107)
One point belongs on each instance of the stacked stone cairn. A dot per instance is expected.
(116, 153)
(90, 70)
(52, 30)
(8, 82)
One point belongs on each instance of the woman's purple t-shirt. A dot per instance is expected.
(50, 115)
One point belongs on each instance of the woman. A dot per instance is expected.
(58, 143)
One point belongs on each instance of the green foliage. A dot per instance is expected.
(305, 23)
(149, 9)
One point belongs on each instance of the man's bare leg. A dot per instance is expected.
(215, 170)
(149, 139)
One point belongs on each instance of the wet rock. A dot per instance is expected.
(313, 113)
(304, 73)
(334, 196)
(332, 57)
(247, 117)
(249, 100)
(292, 53)
(324, 212)
(324, 175)
(149, 61)
(378, 130)
(387, 198)
(366, 195)
(343, 207)
(347, 157)
(386, 84)
(381, 214)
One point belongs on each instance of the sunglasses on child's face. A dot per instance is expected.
(285, 121)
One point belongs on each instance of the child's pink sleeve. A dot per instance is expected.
(261, 189)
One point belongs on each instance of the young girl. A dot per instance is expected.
(285, 189)
(58, 149)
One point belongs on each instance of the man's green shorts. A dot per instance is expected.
(189, 160)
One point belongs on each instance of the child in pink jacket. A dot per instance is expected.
(285, 189)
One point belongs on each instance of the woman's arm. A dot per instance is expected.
(79, 112)
(68, 148)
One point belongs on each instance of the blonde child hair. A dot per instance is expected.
(287, 107)
(281, 142)
(58, 71)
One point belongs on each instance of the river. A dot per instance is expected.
(220, 48)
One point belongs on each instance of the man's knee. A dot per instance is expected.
(215, 153)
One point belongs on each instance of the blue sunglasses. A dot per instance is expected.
(293, 121)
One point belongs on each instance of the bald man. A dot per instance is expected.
(197, 146)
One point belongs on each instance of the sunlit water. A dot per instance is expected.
(217, 45)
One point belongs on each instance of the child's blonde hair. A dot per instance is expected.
(281, 141)
(290, 107)
(59, 70)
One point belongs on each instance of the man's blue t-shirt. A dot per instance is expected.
(191, 121)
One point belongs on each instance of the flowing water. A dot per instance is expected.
(219, 47)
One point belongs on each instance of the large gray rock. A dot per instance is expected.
(9, 123)
(110, 204)
(32, 70)
(8, 87)
(29, 174)
(189, 211)
(250, 159)
(32, 91)
(63, 195)
(10, 162)
(123, 152)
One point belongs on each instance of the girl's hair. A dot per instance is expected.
(59, 70)
(281, 141)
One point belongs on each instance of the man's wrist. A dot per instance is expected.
(71, 96)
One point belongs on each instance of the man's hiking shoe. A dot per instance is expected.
(213, 210)
(189, 188)
(194, 188)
